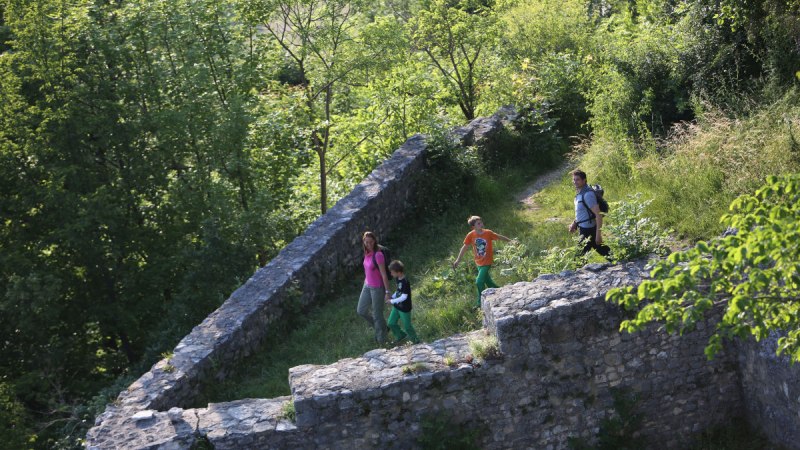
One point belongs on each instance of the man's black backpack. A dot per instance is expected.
(386, 260)
(601, 202)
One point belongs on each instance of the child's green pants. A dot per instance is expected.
(483, 281)
(396, 315)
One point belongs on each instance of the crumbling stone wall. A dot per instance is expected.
(329, 249)
(562, 361)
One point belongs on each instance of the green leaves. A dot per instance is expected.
(754, 272)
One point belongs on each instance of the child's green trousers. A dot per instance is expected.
(483, 281)
(397, 315)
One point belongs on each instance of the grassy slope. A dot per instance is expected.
(693, 176)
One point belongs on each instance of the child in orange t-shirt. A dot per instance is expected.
(480, 239)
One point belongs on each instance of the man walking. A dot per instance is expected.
(588, 219)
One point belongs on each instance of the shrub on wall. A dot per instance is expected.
(754, 273)
(535, 141)
(455, 173)
(449, 175)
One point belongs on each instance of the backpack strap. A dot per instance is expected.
(379, 248)
(591, 213)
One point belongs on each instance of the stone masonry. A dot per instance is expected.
(328, 250)
(562, 361)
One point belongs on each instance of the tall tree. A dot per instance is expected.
(132, 203)
(389, 97)
(315, 35)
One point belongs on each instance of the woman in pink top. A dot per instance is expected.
(376, 287)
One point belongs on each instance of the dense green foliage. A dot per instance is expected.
(154, 153)
(632, 234)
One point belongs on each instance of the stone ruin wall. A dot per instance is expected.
(562, 359)
(327, 251)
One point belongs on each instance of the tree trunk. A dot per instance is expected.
(323, 182)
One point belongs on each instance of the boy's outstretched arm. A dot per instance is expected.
(460, 254)
(503, 238)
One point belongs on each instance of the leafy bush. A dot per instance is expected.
(449, 176)
(756, 270)
(557, 259)
(521, 261)
(515, 259)
(535, 142)
(631, 234)
(440, 431)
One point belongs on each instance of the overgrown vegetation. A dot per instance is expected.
(441, 432)
(288, 412)
(415, 368)
(154, 153)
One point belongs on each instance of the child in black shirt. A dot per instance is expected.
(402, 305)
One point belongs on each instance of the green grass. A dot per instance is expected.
(694, 175)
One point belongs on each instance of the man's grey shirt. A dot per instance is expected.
(581, 213)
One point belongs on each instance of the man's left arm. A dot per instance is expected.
(598, 238)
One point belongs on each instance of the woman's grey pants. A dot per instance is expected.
(375, 297)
